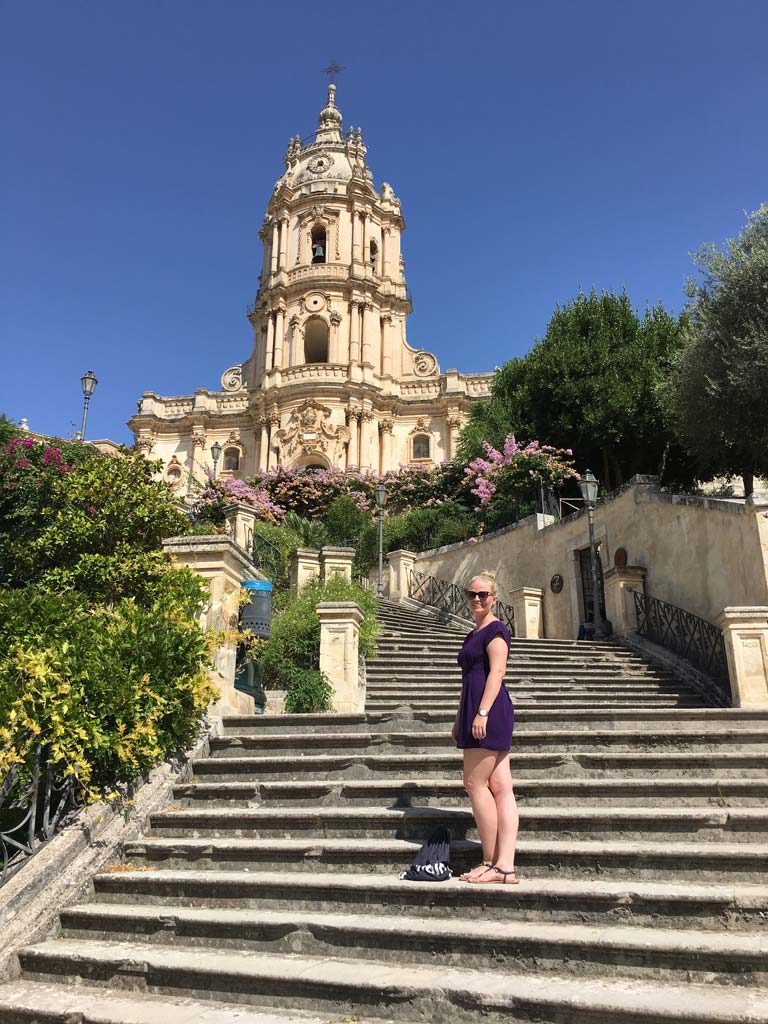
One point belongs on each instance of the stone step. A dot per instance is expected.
(647, 859)
(434, 669)
(629, 950)
(705, 825)
(24, 1002)
(415, 991)
(525, 702)
(677, 904)
(626, 792)
(588, 719)
(525, 740)
(748, 764)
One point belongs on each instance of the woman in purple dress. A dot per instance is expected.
(483, 730)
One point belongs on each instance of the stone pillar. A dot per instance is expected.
(263, 443)
(353, 455)
(283, 257)
(369, 458)
(386, 427)
(334, 346)
(400, 565)
(305, 566)
(354, 333)
(619, 603)
(337, 561)
(387, 346)
(339, 654)
(279, 335)
(355, 239)
(386, 245)
(368, 326)
(240, 519)
(273, 260)
(529, 622)
(454, 424)
(224, 566)
(745, 634)
(270, 359)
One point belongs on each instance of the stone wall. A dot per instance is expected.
(700, 553)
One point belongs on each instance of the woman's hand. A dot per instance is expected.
(479, 726)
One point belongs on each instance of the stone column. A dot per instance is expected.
(619, 603)
(454, 424)
(368, 457)
(745, 634)
(262, 424)
(273, 260)
(198, 442)
(529, 622)
(305, 565)
(240, 519)
(334, 346)
(283, 257)
(269, 362)
(224, 566)
(339, 654)
(386, 427)
(337, 561)
(386, 346)
(353, 454)
(368, 326)
(354, 333)
(400, 565)
(274, 426)
(386, 245)
(279, 335)
(355, 239)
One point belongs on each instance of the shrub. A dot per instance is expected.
(308, 691)
(345, 522)
(217, 494)
(272, 549)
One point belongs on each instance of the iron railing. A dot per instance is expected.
(449, 597)
(269, 559)
(364, 581)
(35, 800)
(683, 633)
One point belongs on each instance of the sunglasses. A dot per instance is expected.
(482, 595)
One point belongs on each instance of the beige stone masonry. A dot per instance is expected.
(337, 562)
(305, 566)
(240, 519)
(745, 632)
(527, 605)
(400, 564)
(619, 601)
(224, 566)
(339, 654)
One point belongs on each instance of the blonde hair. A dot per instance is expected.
(488, 578)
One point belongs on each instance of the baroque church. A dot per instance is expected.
(332, 379)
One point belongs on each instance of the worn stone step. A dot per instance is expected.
(630, 950)
(657, 792)
(25, 1002)
(528, 739)
(645, 859)
(414, 991)
(679, 904)
(748, 764)
(524, 699)
(733, 825)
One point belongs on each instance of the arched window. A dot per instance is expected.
(316, 341)
(373, 255)
(319, 246)
(231, 460)
(421, 447)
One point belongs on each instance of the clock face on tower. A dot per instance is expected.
(319, 165)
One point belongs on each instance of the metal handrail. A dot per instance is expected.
(268, 558)
(449, 597)
(34, 803)
(685, 634)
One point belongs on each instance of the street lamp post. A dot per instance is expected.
(588, 488)
(215, 455)
(89, 382)
(381, 501)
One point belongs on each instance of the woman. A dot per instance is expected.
(483, 730)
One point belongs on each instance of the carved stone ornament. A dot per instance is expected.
(556, 583)
(198, 438)
(310, 430)
(232, 379)
(319, 165)
(386, 426)
(425, 364)
(455, 422)
(314, 302)
(174, 473)
(145, 444)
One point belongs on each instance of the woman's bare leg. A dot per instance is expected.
(500, 786)
(479, 765)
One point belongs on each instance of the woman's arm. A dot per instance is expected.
(497, 658)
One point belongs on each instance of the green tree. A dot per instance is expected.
(718, 390)
(591, 384)
(8, 430)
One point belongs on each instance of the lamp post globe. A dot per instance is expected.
(88, 383)
(588, 486)
(381, 502)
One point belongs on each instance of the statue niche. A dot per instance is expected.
(309, 431)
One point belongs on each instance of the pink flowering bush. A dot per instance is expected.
(217, 494)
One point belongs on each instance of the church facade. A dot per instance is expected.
(331, 379)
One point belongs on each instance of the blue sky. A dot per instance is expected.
(537, 148)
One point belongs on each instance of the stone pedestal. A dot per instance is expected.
(619, 601)
(240, 519)
(400, 565)
(305, 565)
(526, 602)
(745, 633)
(339, 654)
(224, 566)
(337, 562)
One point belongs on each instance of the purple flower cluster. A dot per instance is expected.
(513, 464)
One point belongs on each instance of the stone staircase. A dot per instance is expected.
(269, 890)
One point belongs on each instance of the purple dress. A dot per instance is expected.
(475, 666)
